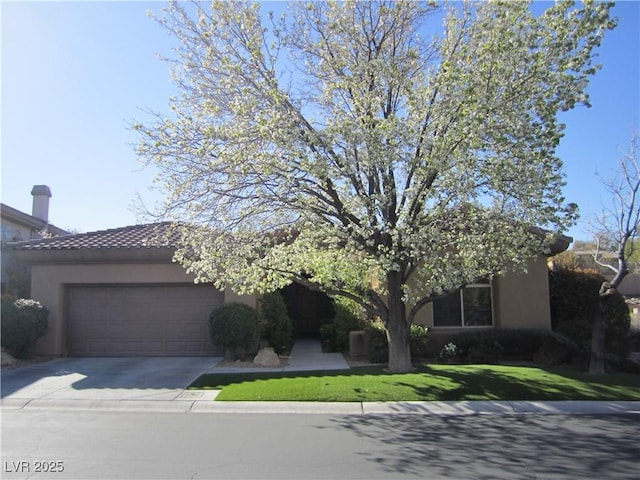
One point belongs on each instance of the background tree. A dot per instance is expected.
(617, 230)
(359, 149)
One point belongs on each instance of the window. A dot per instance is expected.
(468, 307)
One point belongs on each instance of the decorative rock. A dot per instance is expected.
(267, 358)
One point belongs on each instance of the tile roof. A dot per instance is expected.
(161, 235)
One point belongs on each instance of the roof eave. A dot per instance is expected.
(95, 256)
(559, 245)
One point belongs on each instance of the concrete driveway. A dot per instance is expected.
(130, 378)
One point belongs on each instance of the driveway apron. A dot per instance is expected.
(130, 378)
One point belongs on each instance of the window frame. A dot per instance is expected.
(460, 293)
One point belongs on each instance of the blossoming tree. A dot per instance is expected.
(387, 152)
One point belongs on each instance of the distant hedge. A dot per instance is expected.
(574, 302)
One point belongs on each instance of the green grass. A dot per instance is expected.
(428, 383)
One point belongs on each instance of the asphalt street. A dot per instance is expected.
(96, 444)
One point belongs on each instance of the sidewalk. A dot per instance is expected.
(205, 404)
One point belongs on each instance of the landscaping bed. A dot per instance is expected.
(427, 383)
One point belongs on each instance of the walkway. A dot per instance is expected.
(306, 354)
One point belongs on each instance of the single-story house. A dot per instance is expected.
(117, 292)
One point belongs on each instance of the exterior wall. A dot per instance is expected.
(520, 301)
(13, 231)
(48, 282)
(15, 226)
(630, 286)
(11, 270)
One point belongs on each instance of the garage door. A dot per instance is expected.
(140, 320)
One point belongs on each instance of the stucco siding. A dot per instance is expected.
(48, 284)
(519, 301)
(522, 299)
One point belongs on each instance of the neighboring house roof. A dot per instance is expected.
(35, 224)
(150, 242)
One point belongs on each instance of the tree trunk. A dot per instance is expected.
(607, 290)
(596, 363)
(397, 327)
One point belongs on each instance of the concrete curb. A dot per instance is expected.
(333, 408)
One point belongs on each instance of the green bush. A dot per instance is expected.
(348, 317)
(23, 322)
(378, 345)
(328, 337)
(487, 350)
(450, 353)
(276, 324)
(574, 302)
(345, 320)
(555, 350)
(633, 340)
(235, 327)
(490, 346)
(418, 339)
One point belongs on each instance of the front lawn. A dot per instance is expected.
(428, 383)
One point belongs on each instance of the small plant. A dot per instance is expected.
(328, 337)
(418, 338)
(377, 343)
(235, 327)
(276, 324)
(449, 353)
(24, 321)
(348, 317)
(345, 320)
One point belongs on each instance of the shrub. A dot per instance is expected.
(450, 353)
(574, 303)
(553, 351)
(23, 322)
(633, 340)
(348, 317)
(493, 345)
(276, 324)
(328, 337)
(235, 327)
(378, 345)
(418, 338)
(487, 350)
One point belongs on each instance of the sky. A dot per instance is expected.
(75, 75)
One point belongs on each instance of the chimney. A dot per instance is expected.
(41, 195)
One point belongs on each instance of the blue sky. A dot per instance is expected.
(75, 74)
